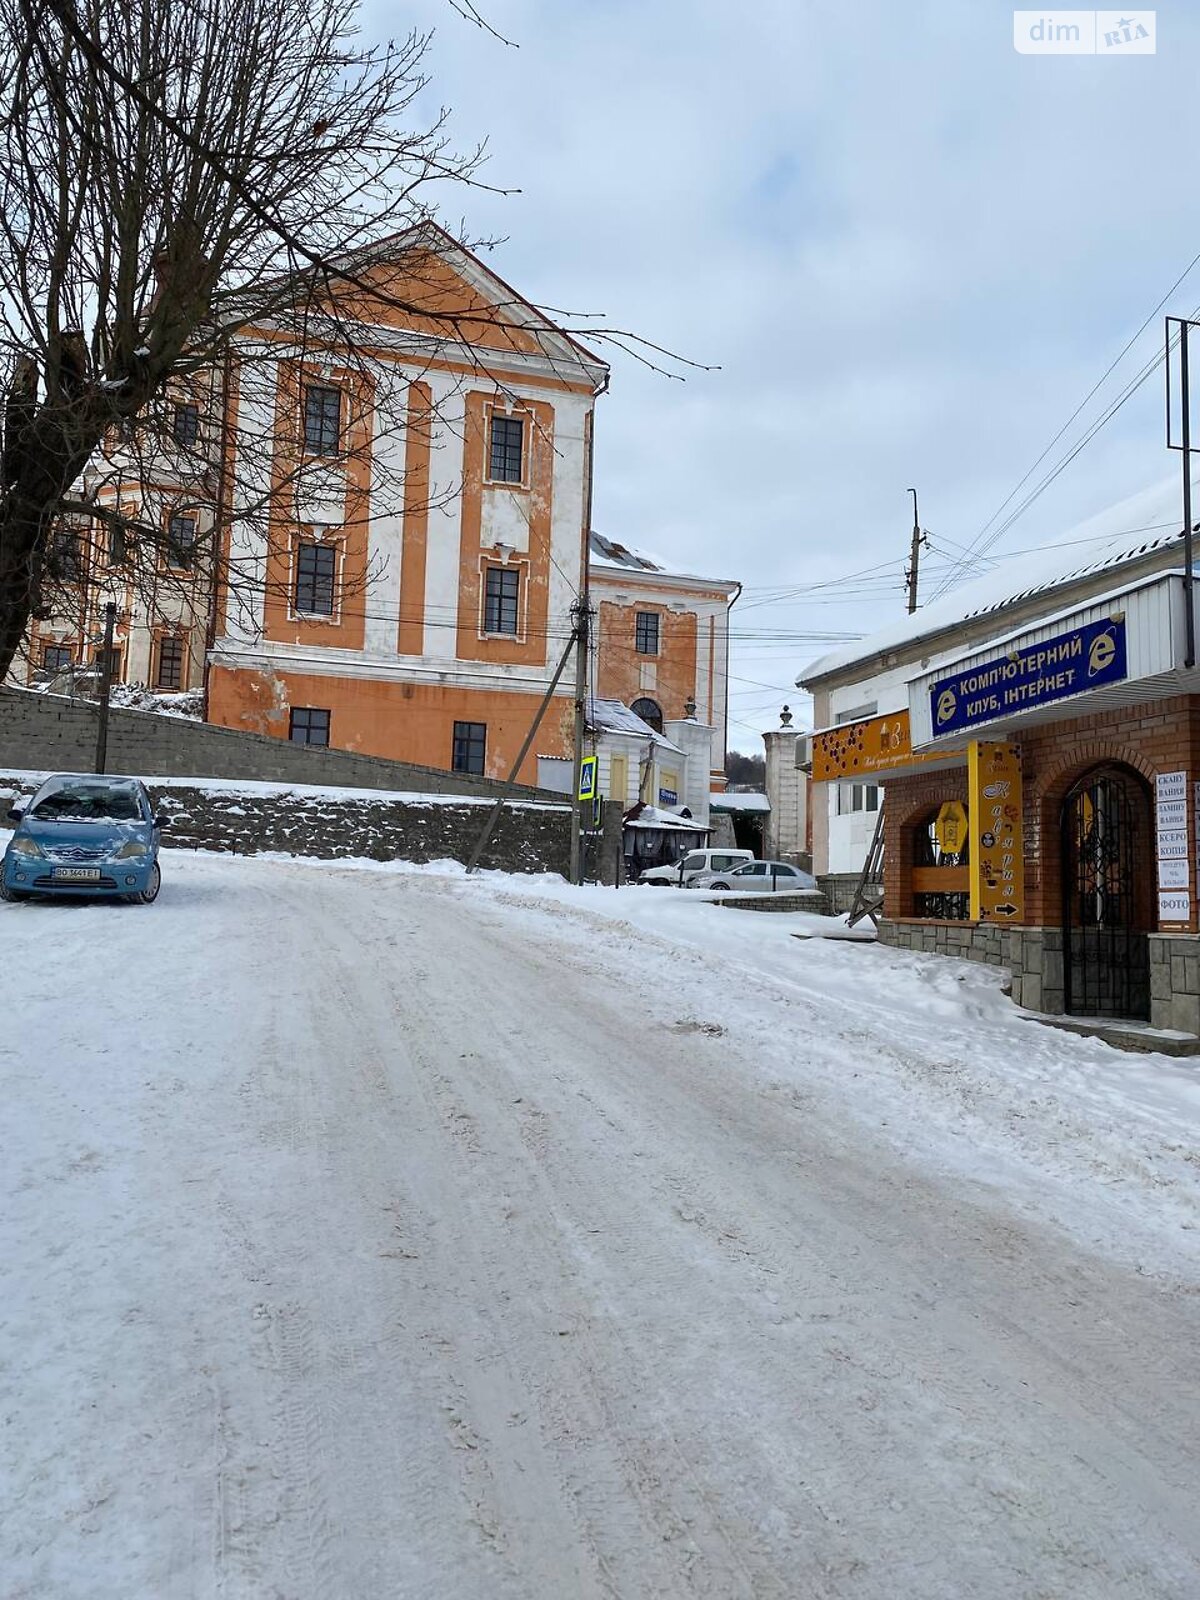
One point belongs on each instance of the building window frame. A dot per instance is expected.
(314, 553)
(506, 462)
(651, 712)
(502, 600)
(65, 654)
(179, 550)
(321, 423)
(856, 798)
(67, 562)
(117, 654)
(170, 648)
(468, 752)
(185, 424)
(310, 725)
(647, 632)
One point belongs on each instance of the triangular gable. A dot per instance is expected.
(430, 284)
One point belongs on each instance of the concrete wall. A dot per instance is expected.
(248, 819)
(49, 733)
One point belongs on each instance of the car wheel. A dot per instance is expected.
(11, 895)
(719, 886)
(149, 894)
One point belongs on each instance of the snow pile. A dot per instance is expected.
(188, 705)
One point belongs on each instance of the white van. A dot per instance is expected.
(695, 863)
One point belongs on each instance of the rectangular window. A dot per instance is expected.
(470, 744)
(114, 663)
(322, 420)
(507, 449)
(501, 598)
(170, 663)
(185, 424)
(181, 542)
(316, 567)
(646, 637)
(308, 725)
(57, 657)
(854, 797)
(66, 556)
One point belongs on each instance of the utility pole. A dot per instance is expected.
(918, 539)
(493, 817)
(110, 617)
(1185, 326)
(581, 616)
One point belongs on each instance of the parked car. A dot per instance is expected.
(759, 877)
(84, 835)
(685, 872)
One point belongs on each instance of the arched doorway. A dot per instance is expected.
(1107, 882)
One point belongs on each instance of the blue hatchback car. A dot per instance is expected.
(83, 835)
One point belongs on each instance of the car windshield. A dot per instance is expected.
(88, 800)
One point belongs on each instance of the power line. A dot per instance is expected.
(1107, 417)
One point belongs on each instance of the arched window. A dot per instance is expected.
(650, 713)
(939, 877)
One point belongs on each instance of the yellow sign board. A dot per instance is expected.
(950, 827)
(997, 856)
(876, 745)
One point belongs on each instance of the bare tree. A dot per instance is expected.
(185, 190)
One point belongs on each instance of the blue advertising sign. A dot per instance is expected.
(1070, 663)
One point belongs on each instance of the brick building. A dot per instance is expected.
(1035, 737)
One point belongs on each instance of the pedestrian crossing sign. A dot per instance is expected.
(588, 774)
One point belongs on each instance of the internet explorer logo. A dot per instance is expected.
(1084, 33)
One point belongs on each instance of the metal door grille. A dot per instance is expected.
(1106, 957)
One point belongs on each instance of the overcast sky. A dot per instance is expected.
(909, 250)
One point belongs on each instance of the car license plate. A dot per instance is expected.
(76, 874)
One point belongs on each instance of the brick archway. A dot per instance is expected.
(1045, 812)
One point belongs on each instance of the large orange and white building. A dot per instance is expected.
(400, 504)
(422, 626)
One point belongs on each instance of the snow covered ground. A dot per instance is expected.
(375, 1233)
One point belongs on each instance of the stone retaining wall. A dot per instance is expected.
(1175, 981)
(248, 819)
(968, 940)
(799, 900)
(1035, 958)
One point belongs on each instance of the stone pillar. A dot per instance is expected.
(786, 833)
(695, 739)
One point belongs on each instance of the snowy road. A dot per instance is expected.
(372, 1236)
